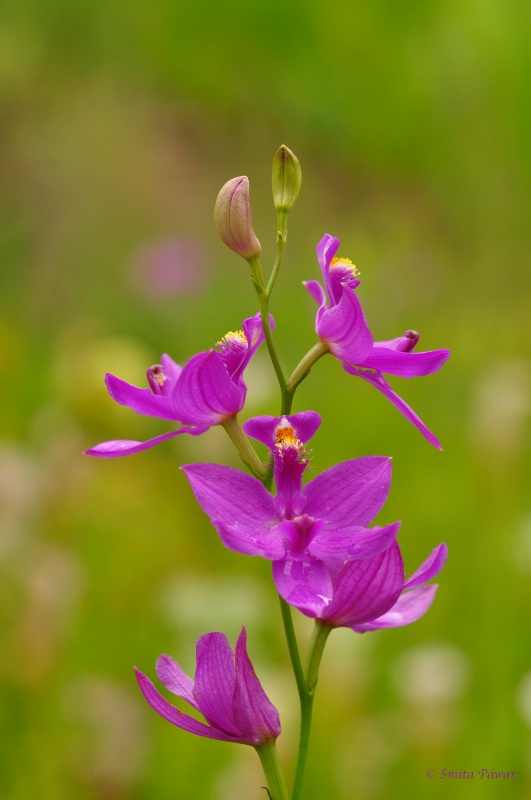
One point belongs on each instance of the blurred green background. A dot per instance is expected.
(119, 123)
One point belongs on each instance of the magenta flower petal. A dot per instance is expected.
(127, 447)
(407, 365)
(256, 717)
(364, 590)
(254, 332)
(409, 607)
(318, 294)
(430, 568)
(326, 250)
(357, 543)
(143, 401)
(303, 583)
(171, 369)
(349, 494)
(176, 717)
(175, 680)
(204, 392)
(381, 384)
(214, 681)
(251, 541)
(344, 329)
(230, 496)
(226, 691)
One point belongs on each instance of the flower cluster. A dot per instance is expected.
(329, 560)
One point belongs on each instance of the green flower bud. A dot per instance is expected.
(234, 220)
(287, 179)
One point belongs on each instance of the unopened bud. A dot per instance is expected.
(234, 219)
(287, 179)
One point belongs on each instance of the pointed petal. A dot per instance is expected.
(255, 715)
(143, 401)
(175, 680)
(214, 682)
(409, 607)
(326, 250)
(303, 583)
(172, 370)
(304, 425)
(407, 365)
(252, 542)
(231, 497)
(430, 568)
(173, 715)
(204, 393)
(317, 292)
(254, 331)
(364, 590)
(344, 329)
(357, 543)
(127, 447)
(381, 384)
(350, 493)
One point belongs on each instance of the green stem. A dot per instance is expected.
(282, 235)
(244, 447)
(320, 634)
(299, 373)
(304, 366)
(263, 302)
(276, 783)
(293, 648)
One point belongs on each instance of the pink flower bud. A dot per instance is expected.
(234, 219)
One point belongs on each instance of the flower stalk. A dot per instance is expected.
(276, 782)
(244, 447)
(316, 647)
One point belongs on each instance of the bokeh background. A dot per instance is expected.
(119, 123)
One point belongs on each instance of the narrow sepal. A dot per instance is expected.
(173, 715)
(409, 607)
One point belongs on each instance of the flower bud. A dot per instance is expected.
(287, 179)
(234, 220)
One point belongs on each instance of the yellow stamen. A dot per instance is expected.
(236, 337)
(285, 437)
(346, 263)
